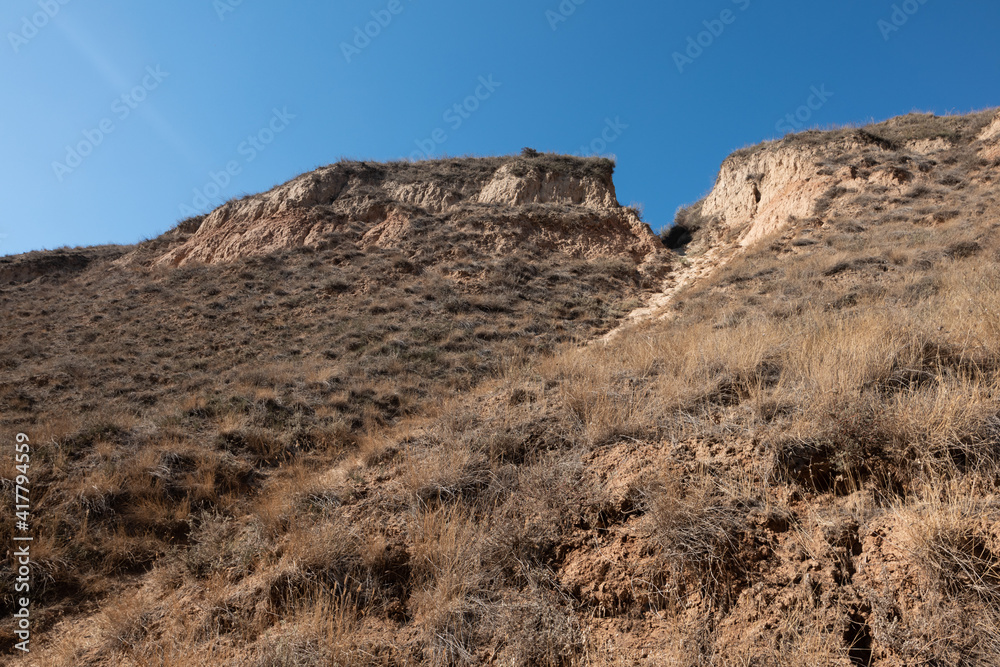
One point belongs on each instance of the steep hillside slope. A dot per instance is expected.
(904, 165)
(167, 386)
(794, 458)
(789, 456)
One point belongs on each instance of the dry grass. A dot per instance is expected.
(801, 468)
(448, 580)
(952, 531)
(698, 529)
(198, 397)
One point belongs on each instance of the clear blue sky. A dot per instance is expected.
(224, 67)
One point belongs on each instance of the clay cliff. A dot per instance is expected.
(543, 201)
(762, 189)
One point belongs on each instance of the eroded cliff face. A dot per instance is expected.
(548, 201)
(755, 194)
(990, 140)
(508, 187)
(761, 190)
(906, 166)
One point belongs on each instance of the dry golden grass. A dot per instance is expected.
(448, 579)
(952, 533)
(801, 468)
(697, 527)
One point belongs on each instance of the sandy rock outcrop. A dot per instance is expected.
(814, 177)
(760, 190)
(990, 138)
(991, 131)
(539, 187)
(547, 202)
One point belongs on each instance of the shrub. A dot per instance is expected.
(698, 530)
(688, 222)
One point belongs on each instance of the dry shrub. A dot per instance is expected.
(606, 412)
(221, 545)
(943, 605)
(955, 538)
(321, 627)
(448, 583)
(537, 507)
(803, 638)
(129, 623)
(698, 528)
(538, 627)
(445, 471)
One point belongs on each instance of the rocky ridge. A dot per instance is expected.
(771, 188)
(545, 201)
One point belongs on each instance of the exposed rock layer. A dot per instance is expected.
(547, 201)
(811, 177)
(760, 190)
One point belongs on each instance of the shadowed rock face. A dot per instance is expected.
(546, 201)
(18, 269)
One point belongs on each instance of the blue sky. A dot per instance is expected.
(120, 117)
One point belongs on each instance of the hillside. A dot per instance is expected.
(174, 387)
(474, 412)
